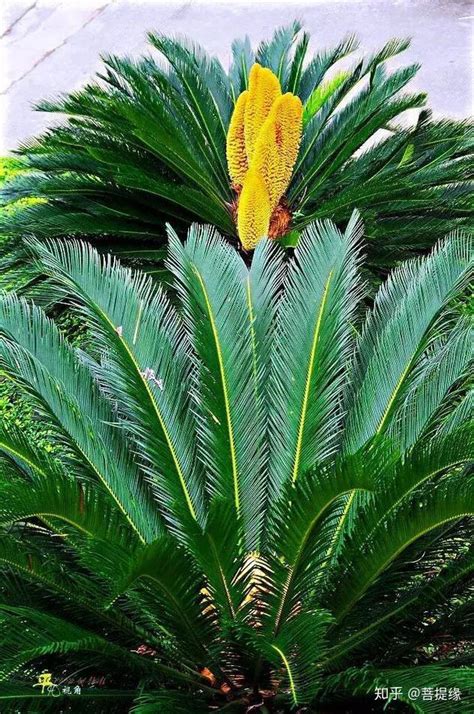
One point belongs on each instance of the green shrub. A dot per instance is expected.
(253, 503)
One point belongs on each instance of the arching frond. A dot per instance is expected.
(416, 516)
(306, 388)
(145, 367)
(443, 365)
(33, 352)
(212, 283)
(396, 333)
(144, 143)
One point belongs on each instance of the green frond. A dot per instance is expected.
(441, 367)
(217, 551)
(324, 60)
(422, 465)
(146, 362)
(461, 413)
(144, 143)
(243, 57)
(174, 581)
(264, 288)
(48, 635)
(41, 570)
(409, 608)
(275, 53)
(29, 460)
(416, 516)
(368, 112)
(297, 62)
(396, 332)
(55, 495)
(24, 554)
(296, 525)
(321, 94)
(211, 281)
(193, 69)
(306, 387)
(33, 352)
(296, 652)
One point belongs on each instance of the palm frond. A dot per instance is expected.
(416, 515)
(33, 352)
(396, 333)
(146, 364)
(306, 389)
(211, 280)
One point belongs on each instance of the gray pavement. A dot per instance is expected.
(48, 47)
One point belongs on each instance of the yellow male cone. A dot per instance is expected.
(262, 146)
(277, 145)
(253, 215)
(236, 153)
(264, 89)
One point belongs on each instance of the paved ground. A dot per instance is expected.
(52, 46)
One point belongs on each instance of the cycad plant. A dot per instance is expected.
(260, 496)
(147, 143)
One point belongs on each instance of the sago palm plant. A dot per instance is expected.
(147, 143)
(261, 496)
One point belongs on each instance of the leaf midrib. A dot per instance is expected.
(304, 409)
(230, 427)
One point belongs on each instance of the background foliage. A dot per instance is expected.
(145, 144)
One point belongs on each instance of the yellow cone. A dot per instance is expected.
(262, 147)
(277, 145)
(264, 89)
(253, 215)
(236, 153)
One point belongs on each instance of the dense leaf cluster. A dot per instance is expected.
(248, 469)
